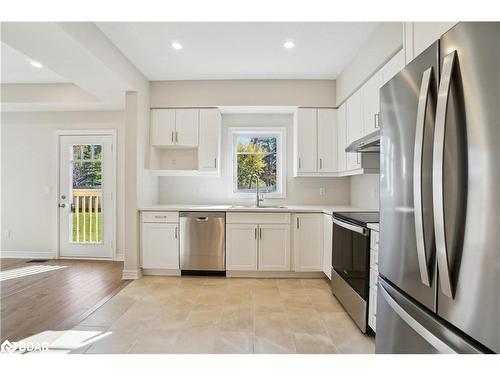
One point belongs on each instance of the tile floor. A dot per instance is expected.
(219, 315)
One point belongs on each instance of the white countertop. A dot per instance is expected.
(235, 208)
(374, 226)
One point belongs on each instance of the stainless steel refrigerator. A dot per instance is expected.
(439, 257)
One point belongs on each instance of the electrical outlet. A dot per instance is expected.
(322, 191)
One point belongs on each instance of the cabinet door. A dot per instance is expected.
(186, 126)
(371, 103)
(354, 128)
(393, 67)
(426, 33)
(327, 140)
(342, 137)
(308, 242)
(208, 149)
(274, 247)
(306, 140)
(327, 245)
(241, 247)
(160, 246)
(162, 127)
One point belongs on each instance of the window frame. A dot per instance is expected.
(280, 134)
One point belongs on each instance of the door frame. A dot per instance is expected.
(85, 132)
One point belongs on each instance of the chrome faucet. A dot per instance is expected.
(258, 199)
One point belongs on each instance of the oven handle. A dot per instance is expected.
(352, 227)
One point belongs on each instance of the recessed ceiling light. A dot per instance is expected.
(289, 44)
(36, 64)
(176, 45)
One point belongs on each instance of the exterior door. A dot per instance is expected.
(399, 256)
(86, 190)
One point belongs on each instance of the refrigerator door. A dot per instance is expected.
(467, 167)
(404, 327)
(407, 105)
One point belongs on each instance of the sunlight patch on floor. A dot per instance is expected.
(27, 271)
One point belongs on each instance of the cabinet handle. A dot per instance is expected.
(172, 137)
(320, 163)
(298, 223)
(215, 163)
(260, 233)
(176, 137)
(377, 120)
(358, 158)
(255, 232)
(176, 232)
(299, 163)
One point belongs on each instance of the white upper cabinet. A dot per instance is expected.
(306, 138)
(315, 142)
(371, 103)
(327, 140)
(209, 144)
(341, 137)
(354, 128)
(162, 127)
(308, 242)
(186, 127)
(420, 35)
(393, 67)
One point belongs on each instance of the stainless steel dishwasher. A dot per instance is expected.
(203, 243)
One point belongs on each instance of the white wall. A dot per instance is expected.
(385, 41)
(285, 92)
(365, 191)
(200, 190)
(29, 177)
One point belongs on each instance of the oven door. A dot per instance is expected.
(351, 255)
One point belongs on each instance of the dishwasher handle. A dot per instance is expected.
(201, 219)
(202, 215)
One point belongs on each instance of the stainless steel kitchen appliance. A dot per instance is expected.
(202, 242)
(351, 262)
(439, 255)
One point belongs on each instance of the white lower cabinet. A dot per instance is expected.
(308, 242)
(257, 242)
(160, 245)
(372, 299)
(274, 247)
(241, 247)
(327, 245)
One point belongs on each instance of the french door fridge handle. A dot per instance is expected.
(423, 100)
(427, 335)
(437, 174)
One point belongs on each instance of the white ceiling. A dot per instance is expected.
(238, 50)
(16, 68)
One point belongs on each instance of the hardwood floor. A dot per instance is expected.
(53, 295)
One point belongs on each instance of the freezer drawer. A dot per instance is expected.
(202, 241)
(403, 327)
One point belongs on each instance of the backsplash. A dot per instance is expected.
(217, 190)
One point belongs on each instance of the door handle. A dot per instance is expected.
(352, 227)
(423, 102)
(438, 174)
(427, 335)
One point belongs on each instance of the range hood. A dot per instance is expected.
(369, 143)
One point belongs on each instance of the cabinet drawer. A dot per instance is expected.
(374, 238)
(160, 217)
(374, 260)
(257, 218)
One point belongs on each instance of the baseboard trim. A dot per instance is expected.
(131, 274)
(276, 274)
(160, 272)
(28, 254)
